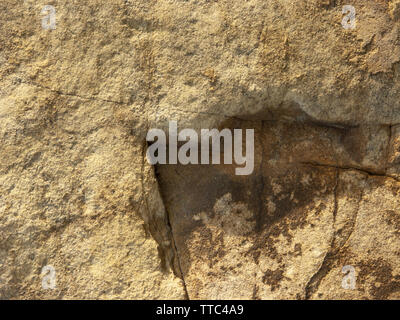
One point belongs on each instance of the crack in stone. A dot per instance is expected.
(167, 258)
(316, 279)
(356, 216)
(329, 125)
(388, 148)
(73, 94)
(363, 170)
(176, 267)
(127, 104)
(334, 249)
(175, 249)
(335, 190)
(314, 282)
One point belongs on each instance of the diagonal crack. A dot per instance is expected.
(73, 94)
(316, 279)
(178, 260)
(334, 249)
(161, 228)
(355, 217)
(91, 98)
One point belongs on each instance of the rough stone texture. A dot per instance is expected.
(77, 193)
(318, 201)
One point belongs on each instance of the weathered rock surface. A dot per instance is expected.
(310, 209)
(77, 193)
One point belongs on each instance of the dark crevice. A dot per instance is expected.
(168, 254)
(175, 262)
(178, 272)
(363, 170)
(336, 244)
